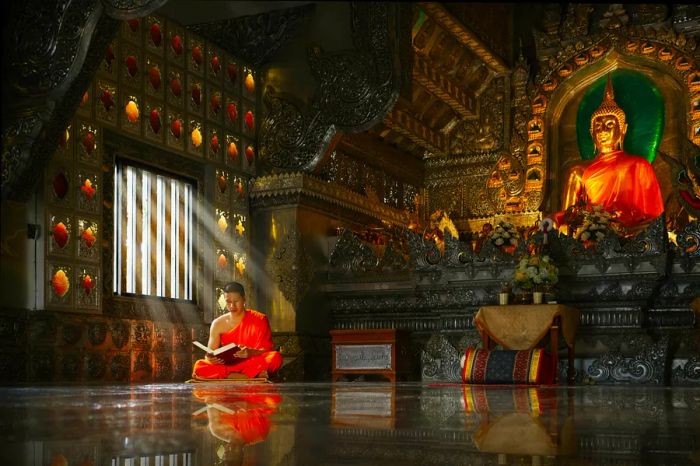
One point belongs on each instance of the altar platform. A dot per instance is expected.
(363, 423)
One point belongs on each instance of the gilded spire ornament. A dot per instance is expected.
(609, 107)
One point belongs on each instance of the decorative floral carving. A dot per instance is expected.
(688, 373)
(440, 360)
(182, 369)
(486, 133)
(351, 255)
(96, 366)
(356, 88)
(163, 337)
(182, 337)
(142, 362)
(163, 367)
(142, 334)
(255, 38)
(291, 267)
(119, 367)
(71, 333)
(120, 333)
(97, 332)
(646, 367)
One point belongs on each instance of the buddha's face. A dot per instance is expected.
(607, 133)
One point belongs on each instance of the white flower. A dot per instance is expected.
(499, 242)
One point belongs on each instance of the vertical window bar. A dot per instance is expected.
(174, 262)
(160, 232)
(146, 233)
(131, 229)
(188, 242)
(181, 245)
(117, 262)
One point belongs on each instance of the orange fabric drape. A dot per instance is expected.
(624, 183)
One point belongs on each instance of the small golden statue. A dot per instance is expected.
(621, 183)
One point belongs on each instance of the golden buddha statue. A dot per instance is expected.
(621, 183)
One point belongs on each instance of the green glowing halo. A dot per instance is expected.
(643, 105)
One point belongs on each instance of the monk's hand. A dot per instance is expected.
(213, 359)
(243, 353)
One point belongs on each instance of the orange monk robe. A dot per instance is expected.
(249, 420)
(625, 184)
(253, 331)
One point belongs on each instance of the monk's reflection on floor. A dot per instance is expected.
(237, 417)
(521, 421)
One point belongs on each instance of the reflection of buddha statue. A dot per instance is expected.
(622, 183)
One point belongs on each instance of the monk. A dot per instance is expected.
(624, 184)
(250, 330)
(239, 418)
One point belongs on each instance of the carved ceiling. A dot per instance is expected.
(452, 74)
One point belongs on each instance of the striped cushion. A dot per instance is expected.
(505, 367)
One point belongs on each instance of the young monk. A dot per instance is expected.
(250, 330)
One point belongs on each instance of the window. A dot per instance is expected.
(153, 233)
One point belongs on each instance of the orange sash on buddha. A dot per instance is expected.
(625, 184)
(252, 332)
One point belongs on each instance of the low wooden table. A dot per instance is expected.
(378, 351)
(521, 327)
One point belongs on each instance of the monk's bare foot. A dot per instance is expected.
(263, 375)
(237, 376)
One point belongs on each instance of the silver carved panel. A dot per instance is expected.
(363, 357)
(365, 403)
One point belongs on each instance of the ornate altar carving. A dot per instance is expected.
(255, 38)
(356, 88)
(286, 188)
(290, 266)
(621, 287)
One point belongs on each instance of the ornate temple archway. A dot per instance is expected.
(565, 157)
(665, 58)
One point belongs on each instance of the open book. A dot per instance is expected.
(226, 352)
(215, 406)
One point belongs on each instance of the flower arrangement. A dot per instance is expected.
(504, 235)
(596, 223)
(536, 272)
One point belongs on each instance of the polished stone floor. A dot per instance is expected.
(357, 423)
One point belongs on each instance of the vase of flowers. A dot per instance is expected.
(536, 272)
(505, 237)
(597, 222)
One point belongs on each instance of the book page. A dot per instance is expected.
(225, 348)
(201, 346)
